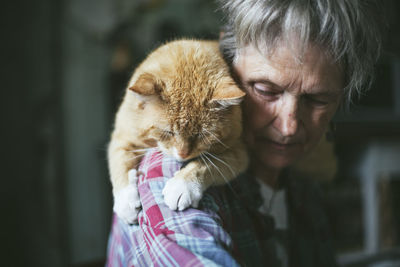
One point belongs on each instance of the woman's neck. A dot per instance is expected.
(269, 176)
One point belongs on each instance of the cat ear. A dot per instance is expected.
(146, 85)
(228, 95)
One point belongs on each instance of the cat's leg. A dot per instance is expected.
(123, 159)
(185, 189)
(126, 201)
(188, 184)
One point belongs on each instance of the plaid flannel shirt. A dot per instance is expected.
(226, 229)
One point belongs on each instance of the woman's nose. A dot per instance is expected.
(287, 121)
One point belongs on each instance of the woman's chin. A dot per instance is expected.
(275, 160)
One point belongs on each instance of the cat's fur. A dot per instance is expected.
(182, 100)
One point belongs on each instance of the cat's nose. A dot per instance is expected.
(183, 153)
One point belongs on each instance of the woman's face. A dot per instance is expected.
(289, 104)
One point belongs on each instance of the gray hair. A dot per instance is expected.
(348, 30)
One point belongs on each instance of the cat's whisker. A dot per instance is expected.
(139, 153)
(156, 162)
(141, 149)
(204, 138)
(216, 138)
(205, 159)
(205, 163)
(159, 161)
(217, 168)
(135, 157)
(226, 180)
(223, 162)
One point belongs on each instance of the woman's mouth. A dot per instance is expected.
(280, 146)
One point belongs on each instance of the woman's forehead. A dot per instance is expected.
(314, 69)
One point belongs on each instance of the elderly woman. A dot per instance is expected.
(298, 61)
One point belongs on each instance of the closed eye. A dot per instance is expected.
(265, 90)
(165, 134)
(316, 101)
(169, 133)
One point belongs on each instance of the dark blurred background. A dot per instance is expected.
(64, 66)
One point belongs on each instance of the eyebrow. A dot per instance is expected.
(327, 92)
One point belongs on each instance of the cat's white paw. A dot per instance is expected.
(180, 193)
(127, 202)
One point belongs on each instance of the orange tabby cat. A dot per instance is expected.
(182, 100)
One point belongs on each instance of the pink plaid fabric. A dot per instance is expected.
(164, 237)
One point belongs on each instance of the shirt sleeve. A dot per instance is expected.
(193, 237)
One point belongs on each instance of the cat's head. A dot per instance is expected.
(196, 117)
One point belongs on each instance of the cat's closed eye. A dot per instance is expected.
(165, 134)
(169, 133)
